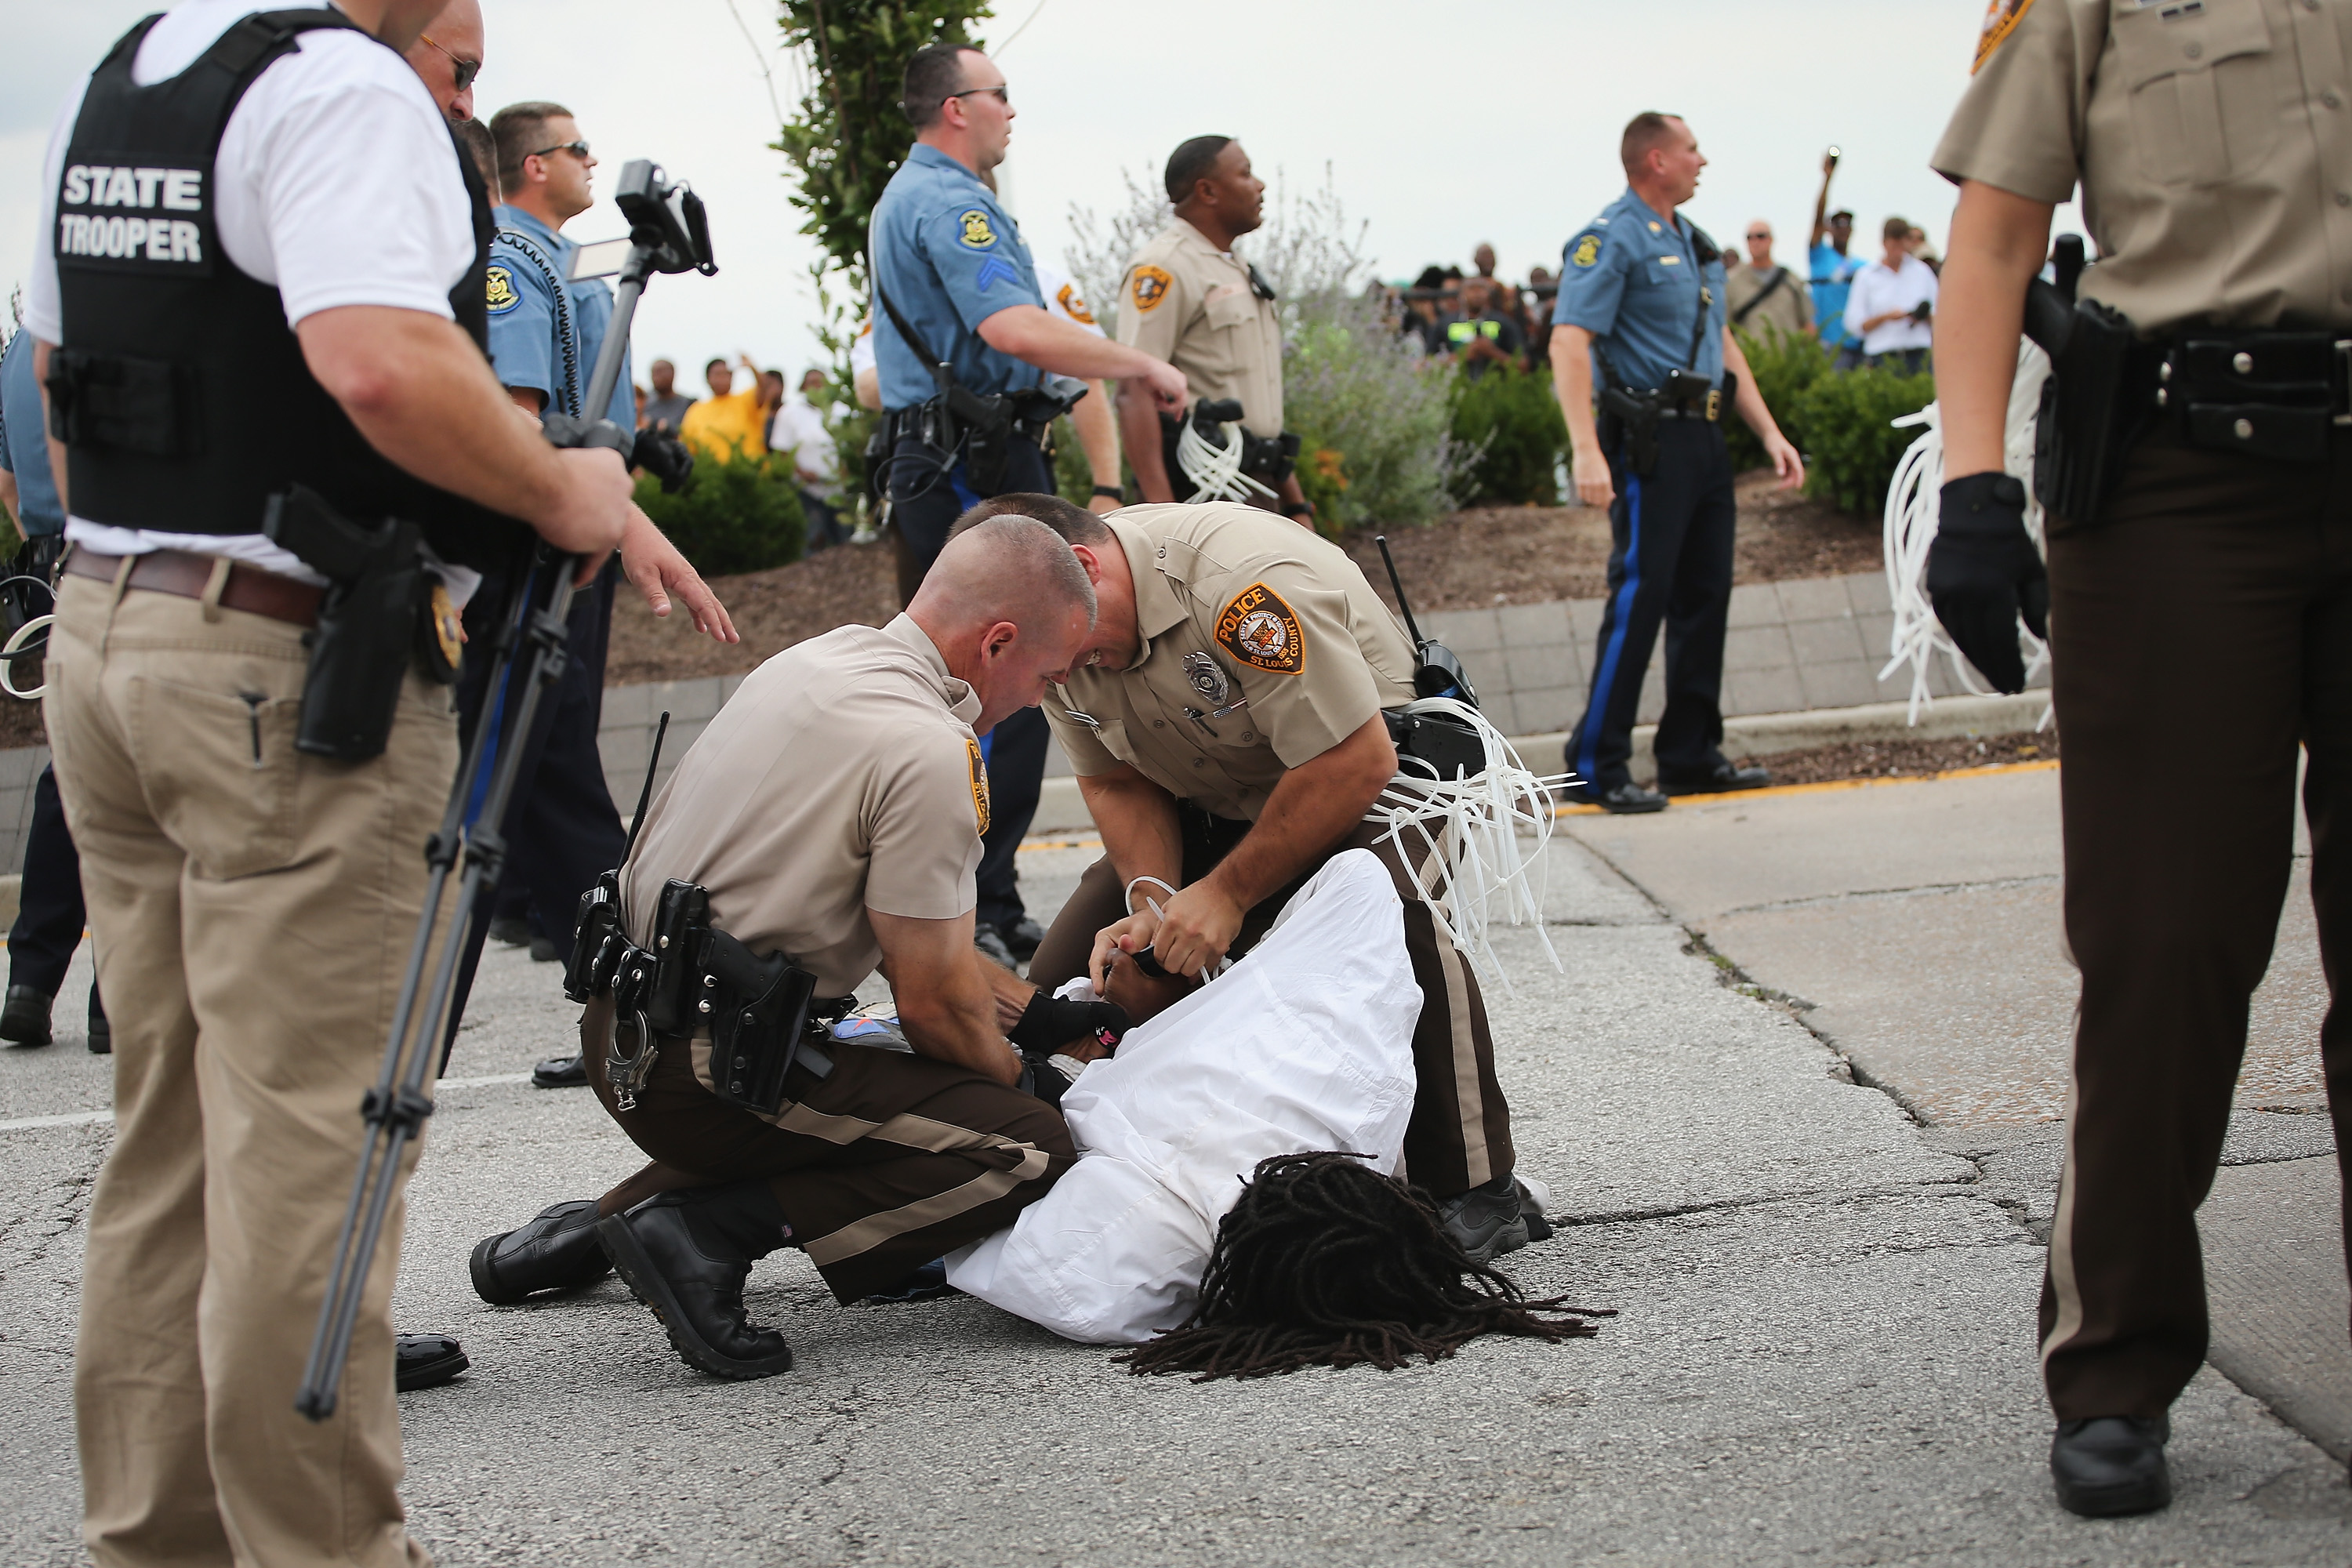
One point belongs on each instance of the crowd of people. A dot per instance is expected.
(758, 418)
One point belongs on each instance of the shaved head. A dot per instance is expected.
(1008, 606)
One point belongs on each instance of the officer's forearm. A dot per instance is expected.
(1028, 333)
(1571, 378)
(1097, 429)
(947, 1006)
(56, 448)
(1317, 805)
(1998, 240)
(1137, 820)
(1746, 397)
(1140, 424)
(424, 396)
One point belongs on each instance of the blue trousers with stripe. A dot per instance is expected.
(1669, 564)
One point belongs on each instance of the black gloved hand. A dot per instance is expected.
(1047, 1025)
(665, 457)
(1041, 1079)
(1983, 573)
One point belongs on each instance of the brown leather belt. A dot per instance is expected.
(185, 573)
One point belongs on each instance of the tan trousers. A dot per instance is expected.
(253, 910)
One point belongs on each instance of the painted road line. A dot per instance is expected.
(90, 1118)
(1826, 786)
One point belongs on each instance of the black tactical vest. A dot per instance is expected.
(180, 391)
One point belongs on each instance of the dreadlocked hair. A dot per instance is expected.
(1326, 1262)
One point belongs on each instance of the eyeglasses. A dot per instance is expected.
(465, 72)
(1002, 95)
(1760, 234)
(577, 148)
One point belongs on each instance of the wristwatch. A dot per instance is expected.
(1296, 508)
(1113, 491)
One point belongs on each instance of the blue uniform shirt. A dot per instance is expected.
(1832, 283)
(525, 347)
(949, 258)
(1634, 281)
(23, 440)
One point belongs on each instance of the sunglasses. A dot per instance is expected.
(1002, 95)
(577, 148)
(465, 71)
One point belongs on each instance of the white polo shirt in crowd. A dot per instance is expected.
(1878, 288)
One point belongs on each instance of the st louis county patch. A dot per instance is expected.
(503, 297)
(1074, 304)
(1262, 631)
(1150, 286)
(2001, 17)
(1586, 251)
(978, 787)
(977, 234)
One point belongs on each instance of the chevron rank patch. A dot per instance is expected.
(1262, 631)
(2001, 17)
(1151, 287)
(503, 297)
(978, 787)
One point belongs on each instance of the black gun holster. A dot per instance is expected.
(2097, 402)
(695, 976)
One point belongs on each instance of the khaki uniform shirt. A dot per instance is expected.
(1191, 305)
(2213, 142)
(1789, 307)
(841, 777)
(1262, 649)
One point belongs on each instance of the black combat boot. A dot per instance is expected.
(557, 1251)
(685, 1254)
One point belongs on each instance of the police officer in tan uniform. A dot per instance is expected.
(1229, 738)
(1189, 300)
(2205, 575)
(833, 812)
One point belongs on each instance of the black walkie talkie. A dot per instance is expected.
(1440, 741)
(1436, 672)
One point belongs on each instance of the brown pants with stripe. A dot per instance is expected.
(2202, 634)
(1460, 1134)
(882, 1165)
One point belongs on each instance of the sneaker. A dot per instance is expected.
(991, 946)
(1487, 1221)
(1022, 937)
(24, 1018)
(1535, 1196)
(2111, 1465)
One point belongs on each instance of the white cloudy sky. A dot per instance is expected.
(1441, 126)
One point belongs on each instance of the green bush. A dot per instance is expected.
(1512, 421)
(1849, 438)
(1784, 365)
(1376, 444)
(742, 514)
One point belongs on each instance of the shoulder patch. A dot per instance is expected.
(1074, 304)
(1150, 286)
(503, 297)
(1585, 251)
(1262, 631)
(2001, 17)
(979, 786)
(977, 234)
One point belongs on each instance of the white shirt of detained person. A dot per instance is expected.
(289, 208)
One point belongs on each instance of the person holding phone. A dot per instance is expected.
(1893, 305)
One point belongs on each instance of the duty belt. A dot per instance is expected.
(2268, 394)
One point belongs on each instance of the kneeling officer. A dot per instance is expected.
(833, 813)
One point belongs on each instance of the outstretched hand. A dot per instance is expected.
(661, 571)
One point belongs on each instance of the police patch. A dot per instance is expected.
(1074, 304)
(978, 787)
(976, 235)
(1587, 251)
(503, 297)
(1151, 287)
(1262, 631)
(2001, 17)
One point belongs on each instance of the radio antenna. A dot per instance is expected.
(1397, 584)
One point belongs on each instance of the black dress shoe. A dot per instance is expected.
(1721, 779)
(101, 1033)
(1627, 799)
(992, 947)
(2111, 1465)
(557, 1251)
(543, 950)
(426, 1360)
(1022, 937)
(511, 930)
(24, 1018)
(685, 1254)
(560, 1072)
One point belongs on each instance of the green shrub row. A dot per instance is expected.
(1511, 420)
(739, 514)
(1843, 424)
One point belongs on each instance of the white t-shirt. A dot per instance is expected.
(1878, 288)
(861, 348)
(799, 429)
(336, 180)
(1063, 298)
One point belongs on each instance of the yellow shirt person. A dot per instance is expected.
(727, 424)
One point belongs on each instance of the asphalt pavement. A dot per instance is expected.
(1823, 1352)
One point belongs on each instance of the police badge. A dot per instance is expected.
(1206, 677)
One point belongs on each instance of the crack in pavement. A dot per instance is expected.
(1866, 894)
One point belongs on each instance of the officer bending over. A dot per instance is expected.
(259, 282)
(1227, 727)
(827, 822)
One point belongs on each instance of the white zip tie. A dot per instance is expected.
(1216, 474)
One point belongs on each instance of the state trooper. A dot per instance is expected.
(259, 227)
(964, 344)
(1188, 299)
(827, 821)
(1639, 321)
(1228, 728)
(2198, 517)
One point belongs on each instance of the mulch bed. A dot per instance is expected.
(1908, 759)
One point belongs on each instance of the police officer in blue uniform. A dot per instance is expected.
(968, 356)
(1638, 324)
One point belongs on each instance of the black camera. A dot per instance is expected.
(665, 218)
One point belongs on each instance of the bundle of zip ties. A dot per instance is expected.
(1215, 472)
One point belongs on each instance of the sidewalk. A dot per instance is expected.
(1824, 1353)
